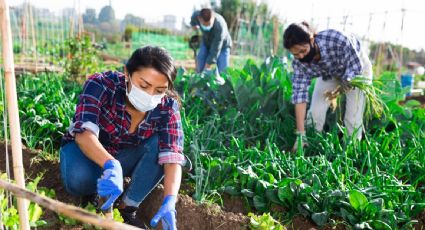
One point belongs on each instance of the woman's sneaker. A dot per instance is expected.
(129, 215)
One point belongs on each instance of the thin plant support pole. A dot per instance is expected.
(33, 38)
(403, 13)
(12, 102)
(24, 30)
(71, 27)
(379, 58)
(66, 209)
(5, 138)
(80, 20)
(6, 135)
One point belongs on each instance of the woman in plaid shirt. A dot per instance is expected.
(127, 124)
(334, 58)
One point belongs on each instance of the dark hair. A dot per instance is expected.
(297, 34)
(206, 14)
(157, 58)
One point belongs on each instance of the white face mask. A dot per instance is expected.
(206, 28)
(141, 100)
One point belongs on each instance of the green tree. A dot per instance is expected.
(236, 12)
(230, 10)
(128, 32)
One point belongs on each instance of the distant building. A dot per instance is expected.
(69, 12)
(169, 22)
(43, 13)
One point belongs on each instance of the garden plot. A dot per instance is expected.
(237, 136)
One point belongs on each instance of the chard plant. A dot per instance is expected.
(8, 205)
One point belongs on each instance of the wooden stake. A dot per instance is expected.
(66, 209)
(12, 102)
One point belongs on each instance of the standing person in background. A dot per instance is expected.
(216, 41)
(335, 59)
(127, 125)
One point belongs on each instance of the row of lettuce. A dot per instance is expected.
(238, 136)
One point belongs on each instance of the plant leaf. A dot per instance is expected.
(357, 200)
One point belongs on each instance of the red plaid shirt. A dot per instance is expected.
(101, 109)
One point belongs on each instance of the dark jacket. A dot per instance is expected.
(216, 39)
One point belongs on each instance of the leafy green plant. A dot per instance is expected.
(238, 134)
(315, 180)
(91, 208)
(264, 222)
(364, 214)
(81, 59)
(46, 103)
(9, 213)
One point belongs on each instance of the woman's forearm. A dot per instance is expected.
(172, 179)
(92, 148)
(300, 110)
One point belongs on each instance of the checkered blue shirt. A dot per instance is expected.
(102, 109)
(339, 57)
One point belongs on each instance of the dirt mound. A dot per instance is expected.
(421, 221)
(191, 215)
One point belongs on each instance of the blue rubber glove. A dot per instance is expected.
(110, 185)
(167, 214)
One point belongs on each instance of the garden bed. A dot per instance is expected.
(190, 214)
(245, 170)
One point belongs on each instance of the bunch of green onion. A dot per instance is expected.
(374, 107)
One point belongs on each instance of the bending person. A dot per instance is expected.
(127, 124)
(216, 41)
(335, 59)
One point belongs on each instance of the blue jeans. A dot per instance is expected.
(79, 173)
(222, 60)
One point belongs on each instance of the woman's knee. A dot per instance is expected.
(78, 184)
(78, 173)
